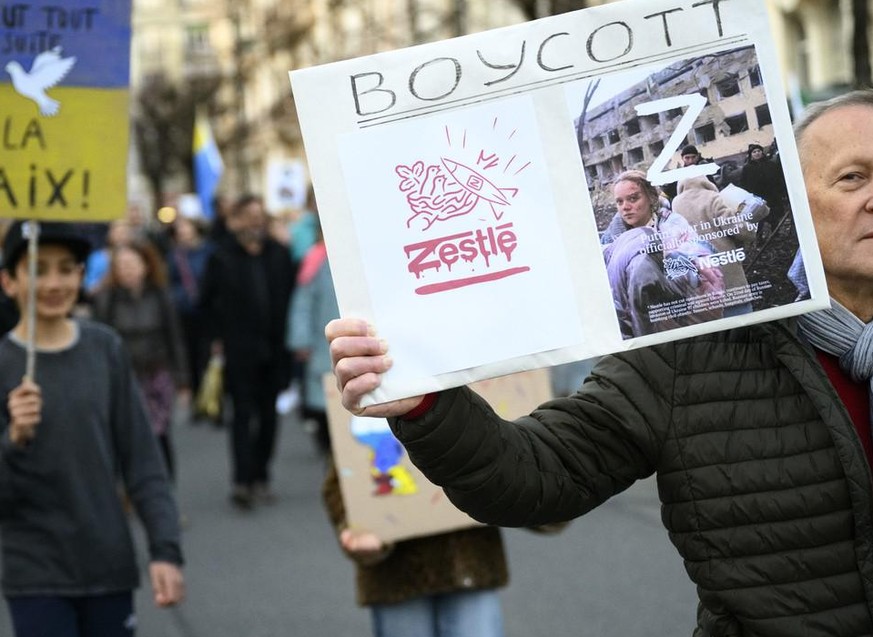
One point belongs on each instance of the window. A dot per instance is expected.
(612, 136)
(634, 155)
(597, 143)
(632, 127)
(649, 122)
(737, 123)
(762, 113)
(755, 76)
(728, 87)
(673, 113)
(591, 174)
(656, 148)
(616, 164)
(197, 37)
(705, 133)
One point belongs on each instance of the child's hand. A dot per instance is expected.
(364, 547)
(25, 412)
(168, 583)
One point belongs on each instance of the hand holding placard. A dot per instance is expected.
(359, 359)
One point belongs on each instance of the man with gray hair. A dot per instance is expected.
(759, 436)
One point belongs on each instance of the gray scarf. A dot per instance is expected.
(839, 332)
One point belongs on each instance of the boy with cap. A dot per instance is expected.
(69, 566)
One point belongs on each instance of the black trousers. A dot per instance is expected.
(253, 388)
(196, 344)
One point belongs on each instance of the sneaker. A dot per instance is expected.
(242, 498)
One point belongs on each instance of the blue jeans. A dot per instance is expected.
(461, 614)
(91, 616)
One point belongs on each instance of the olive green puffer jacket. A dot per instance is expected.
(765, 489)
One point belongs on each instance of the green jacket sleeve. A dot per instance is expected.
(565, 458)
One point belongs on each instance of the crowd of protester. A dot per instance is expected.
(254, 291)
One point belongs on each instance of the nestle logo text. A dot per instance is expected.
(488, 248)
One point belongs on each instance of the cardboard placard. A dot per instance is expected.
(382, 490)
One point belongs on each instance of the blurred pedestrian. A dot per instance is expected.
(119, 233)
(303, 232)
(69, 436)
(222, 204)
(245, 294)
(313, 306)
(144, 229)
(136, 302)
(186, 264)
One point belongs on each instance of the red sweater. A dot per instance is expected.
(855, 397)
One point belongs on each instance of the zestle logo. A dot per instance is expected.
(461, 183)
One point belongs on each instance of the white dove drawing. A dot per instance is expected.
(47, 70)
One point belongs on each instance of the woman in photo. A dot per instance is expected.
(653, 262)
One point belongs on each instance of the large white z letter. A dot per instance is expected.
(695, 103)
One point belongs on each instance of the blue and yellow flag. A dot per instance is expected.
(208, 166)
(64, 109)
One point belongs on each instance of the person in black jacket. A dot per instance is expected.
(245, 292)
(760, 436)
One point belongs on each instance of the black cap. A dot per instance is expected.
(50, 232)
(690, 149)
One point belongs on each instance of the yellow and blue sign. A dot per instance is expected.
(64, 104)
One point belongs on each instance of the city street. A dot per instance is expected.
(277, 571)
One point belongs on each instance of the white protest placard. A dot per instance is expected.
(469, 194)
(285, 185)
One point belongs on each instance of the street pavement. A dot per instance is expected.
(278, 572)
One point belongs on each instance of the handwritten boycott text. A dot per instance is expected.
(377, 91)
(475, 247)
